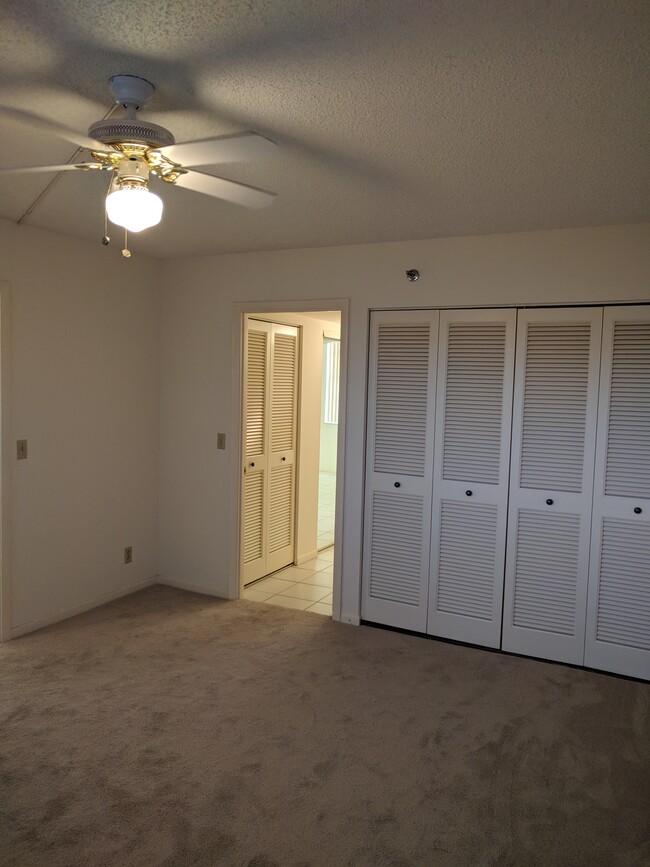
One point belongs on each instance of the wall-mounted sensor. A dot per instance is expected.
(412, 275)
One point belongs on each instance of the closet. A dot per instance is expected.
(508, 480)
(269, 447)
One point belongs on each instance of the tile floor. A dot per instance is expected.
(326, 504)
(307, 587)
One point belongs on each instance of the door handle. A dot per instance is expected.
(549, 502)
(637, 510)
(283, 458)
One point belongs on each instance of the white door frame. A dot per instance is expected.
(251, 308)
(5, 461)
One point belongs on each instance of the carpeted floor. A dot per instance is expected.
(174, 729)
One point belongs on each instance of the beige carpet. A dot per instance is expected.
(173, 729)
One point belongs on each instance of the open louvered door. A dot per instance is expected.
(399, 459)
(618, 614)
(269, 449)
(470, 481)
(282, 447)
(553, 445)
(255, 449)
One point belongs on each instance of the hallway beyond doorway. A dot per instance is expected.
(306, 588)
(326, 510)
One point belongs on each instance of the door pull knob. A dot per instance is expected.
(468, 493)
(283, 458)
(398, 484)
(637, 510)
(549, 502)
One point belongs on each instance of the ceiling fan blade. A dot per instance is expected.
(240, 148)
(18, 170)
(220, 188)
(57, 129)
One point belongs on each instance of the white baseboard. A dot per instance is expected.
(191, 588)
(51, 619)
(351, 619)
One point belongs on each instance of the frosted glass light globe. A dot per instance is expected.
(135, 208)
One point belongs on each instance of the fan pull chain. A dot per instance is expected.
(126, 252)
(106, 239)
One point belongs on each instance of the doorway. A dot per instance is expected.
(305, 581)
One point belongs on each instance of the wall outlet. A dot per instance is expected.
(221, 440)
(21, 450)
(128, 554)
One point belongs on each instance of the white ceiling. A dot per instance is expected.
(397, 119)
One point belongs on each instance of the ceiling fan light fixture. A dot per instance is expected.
(134, 207)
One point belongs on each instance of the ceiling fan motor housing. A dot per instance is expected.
(111, 131)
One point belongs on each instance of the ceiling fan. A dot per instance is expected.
(131, 150)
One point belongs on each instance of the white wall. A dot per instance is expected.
(565, 266)
(84, 363)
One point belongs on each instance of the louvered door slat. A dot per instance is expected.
(253, 517)
(555, 405)
(397, 529)
(465, 583)
(283, 406)
(473, 414)
(546, 569)
(401, 400)
(618, 618)
(255, 394)
(402, 371)
(624, 586)
(280, 533)
(549, 525)
(628, 436)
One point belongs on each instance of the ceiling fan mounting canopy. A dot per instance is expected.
(131, 90)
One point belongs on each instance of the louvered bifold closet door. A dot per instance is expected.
(551, 482)
(282, 447)
(255, 449)
(618, 612)
(399, 459)
(470, 474)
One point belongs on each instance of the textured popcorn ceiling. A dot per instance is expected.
(396, 120)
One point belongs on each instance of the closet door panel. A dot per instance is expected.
(471, 466)
(618, 616)
(549, 524)
(399, 457)
(282, 446)
(255, 449)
